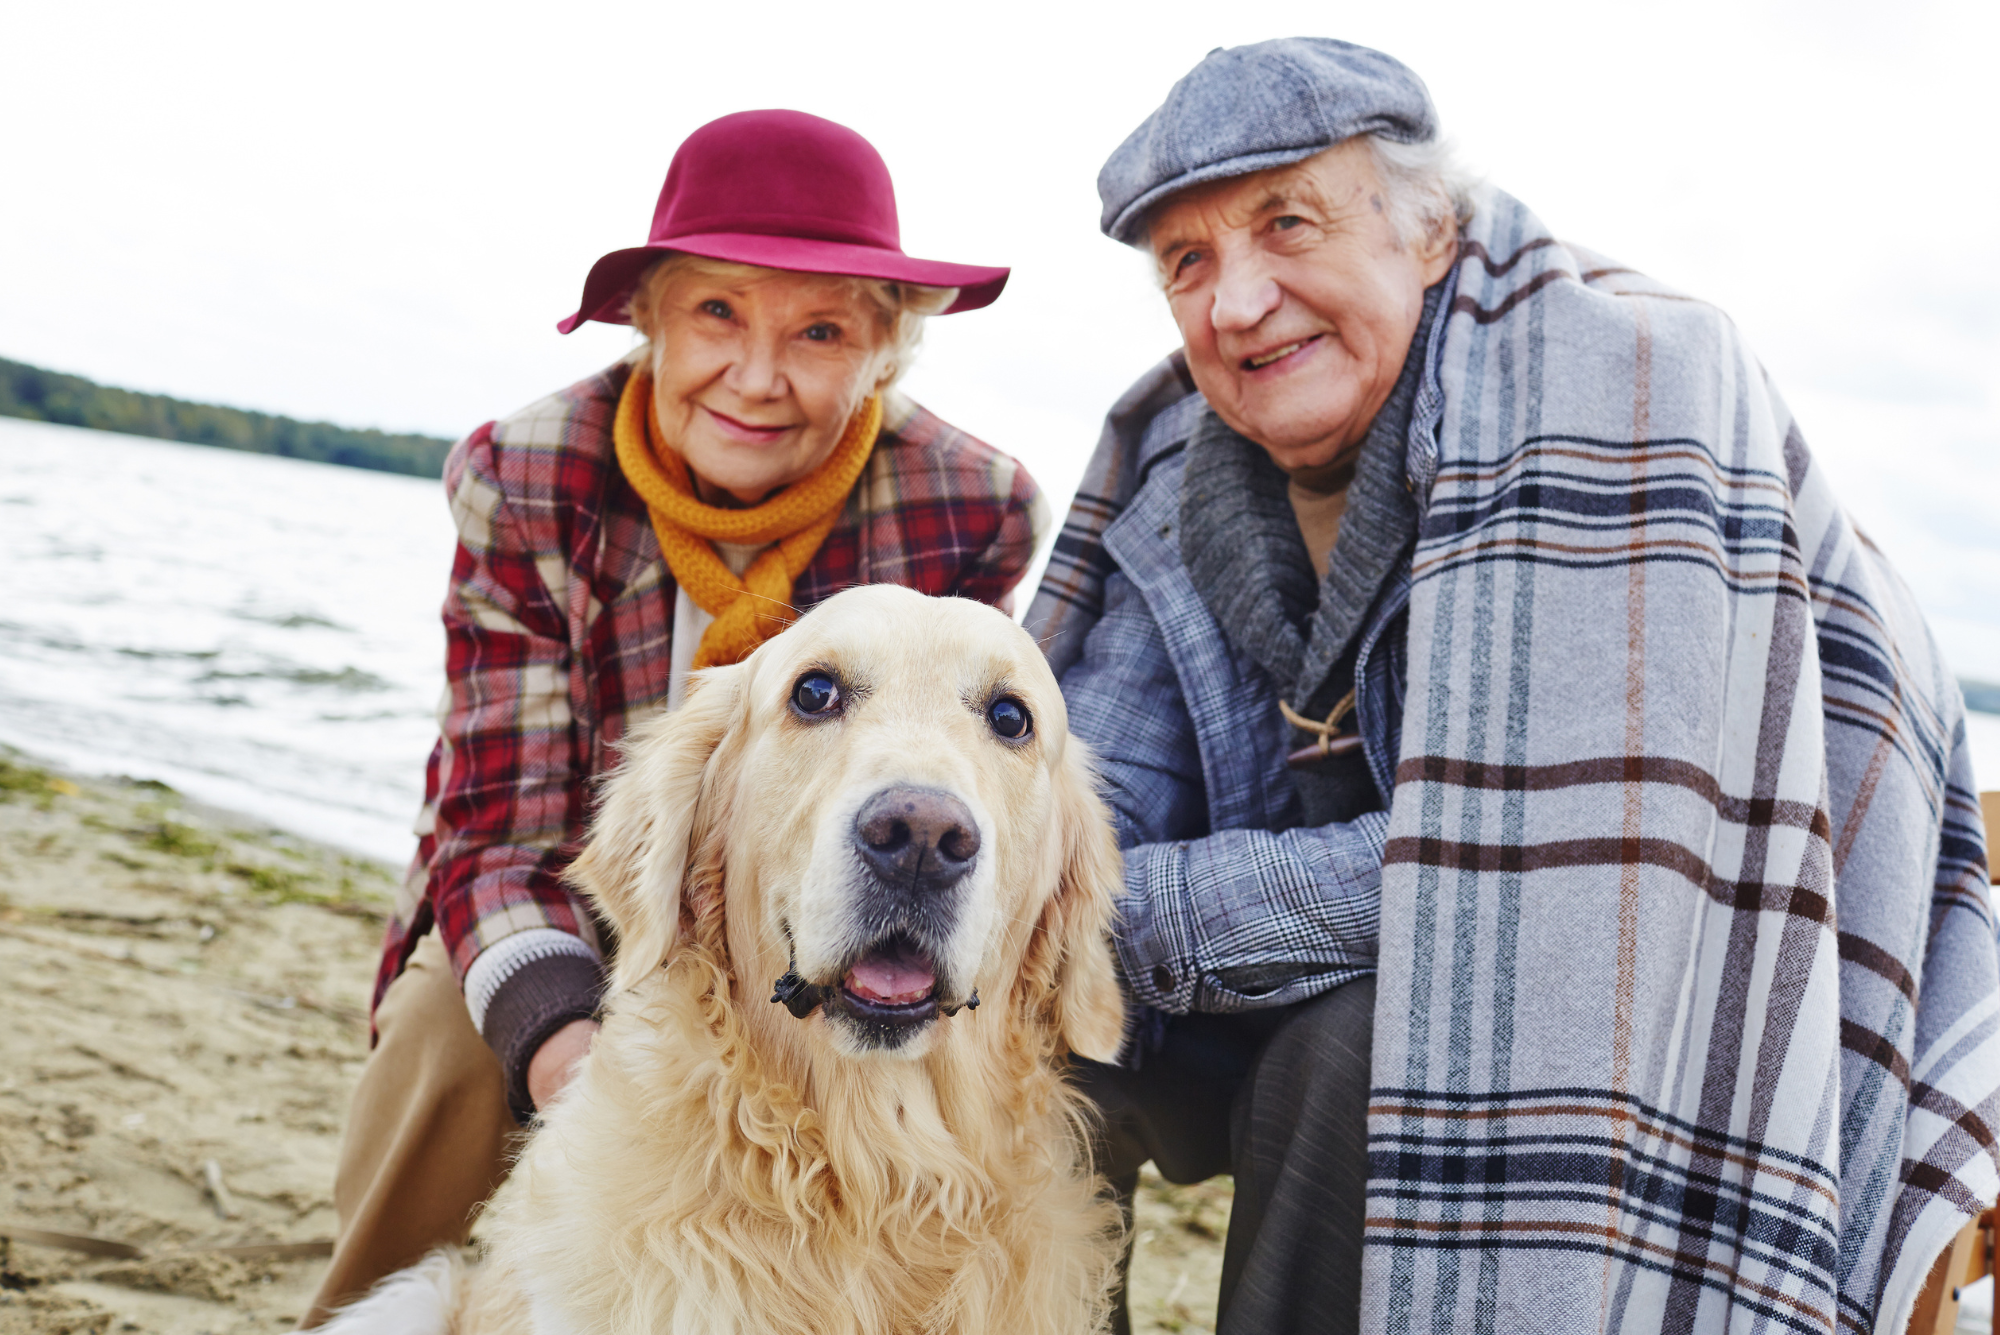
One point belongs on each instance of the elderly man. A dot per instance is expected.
(1553, 872)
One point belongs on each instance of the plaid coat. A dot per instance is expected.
(559, 621)
(1688, 1002)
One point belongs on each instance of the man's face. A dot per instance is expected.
(1296, 299)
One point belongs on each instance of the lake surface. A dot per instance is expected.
(263, 633)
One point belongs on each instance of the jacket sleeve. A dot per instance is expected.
(991, 576)
(506, 789)
(1224, 920)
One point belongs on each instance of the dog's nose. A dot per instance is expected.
(917, 836)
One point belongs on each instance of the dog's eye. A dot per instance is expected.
(815, 693)
(1009, 718)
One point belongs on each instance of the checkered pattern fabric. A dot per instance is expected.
(559, 623)
(1070, 597)
(1688, 1011)
(1689, 1006)
(1232, 905)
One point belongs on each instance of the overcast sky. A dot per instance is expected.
(375, 213)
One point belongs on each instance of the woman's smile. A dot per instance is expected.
(747, 433)
(756, 375)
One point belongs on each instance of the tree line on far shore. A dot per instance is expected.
(70, 400)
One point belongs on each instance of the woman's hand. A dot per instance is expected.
(554, 1064)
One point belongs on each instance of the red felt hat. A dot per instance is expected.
(783, 190)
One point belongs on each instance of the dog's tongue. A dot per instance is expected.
(895, 977)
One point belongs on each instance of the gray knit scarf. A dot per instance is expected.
(1241, 544)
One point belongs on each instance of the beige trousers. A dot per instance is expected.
(428, 1138)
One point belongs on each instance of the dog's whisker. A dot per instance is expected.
(881, 909)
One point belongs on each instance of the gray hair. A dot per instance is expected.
(901, 307)
(1428, 188)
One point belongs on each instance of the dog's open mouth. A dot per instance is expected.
(889, 993)
(892, 977)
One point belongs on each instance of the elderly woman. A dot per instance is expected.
(748, 459)
(1540, 806)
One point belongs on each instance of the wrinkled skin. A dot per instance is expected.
(1296, 300)
(754, 379)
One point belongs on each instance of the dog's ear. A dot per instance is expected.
(1089, 1005)
(635, 864)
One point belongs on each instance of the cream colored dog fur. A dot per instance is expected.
(722, 1166)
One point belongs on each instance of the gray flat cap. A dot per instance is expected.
(1245, 108)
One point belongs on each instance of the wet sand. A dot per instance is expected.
(179, 986)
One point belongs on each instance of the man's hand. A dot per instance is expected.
(554, 1064)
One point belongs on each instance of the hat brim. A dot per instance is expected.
(612, 278)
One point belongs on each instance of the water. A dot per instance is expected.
(263, 633)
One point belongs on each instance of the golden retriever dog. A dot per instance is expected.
(861, 883)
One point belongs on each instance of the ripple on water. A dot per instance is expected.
(203, 616)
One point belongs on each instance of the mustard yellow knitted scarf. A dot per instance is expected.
(750, 609)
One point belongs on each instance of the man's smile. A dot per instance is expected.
(1273, 356)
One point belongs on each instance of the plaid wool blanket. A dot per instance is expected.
(1688, 1009)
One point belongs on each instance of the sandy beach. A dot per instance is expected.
(183, 987)
(179, 988)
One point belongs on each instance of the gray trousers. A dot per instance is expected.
(1280, 1098)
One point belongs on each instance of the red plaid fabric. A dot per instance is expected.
(559, 624)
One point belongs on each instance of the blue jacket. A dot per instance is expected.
(1230, 903)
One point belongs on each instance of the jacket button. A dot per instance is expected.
(1163, 979)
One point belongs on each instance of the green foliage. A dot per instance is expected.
(69, 400)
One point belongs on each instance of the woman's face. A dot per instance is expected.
(754, 379)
